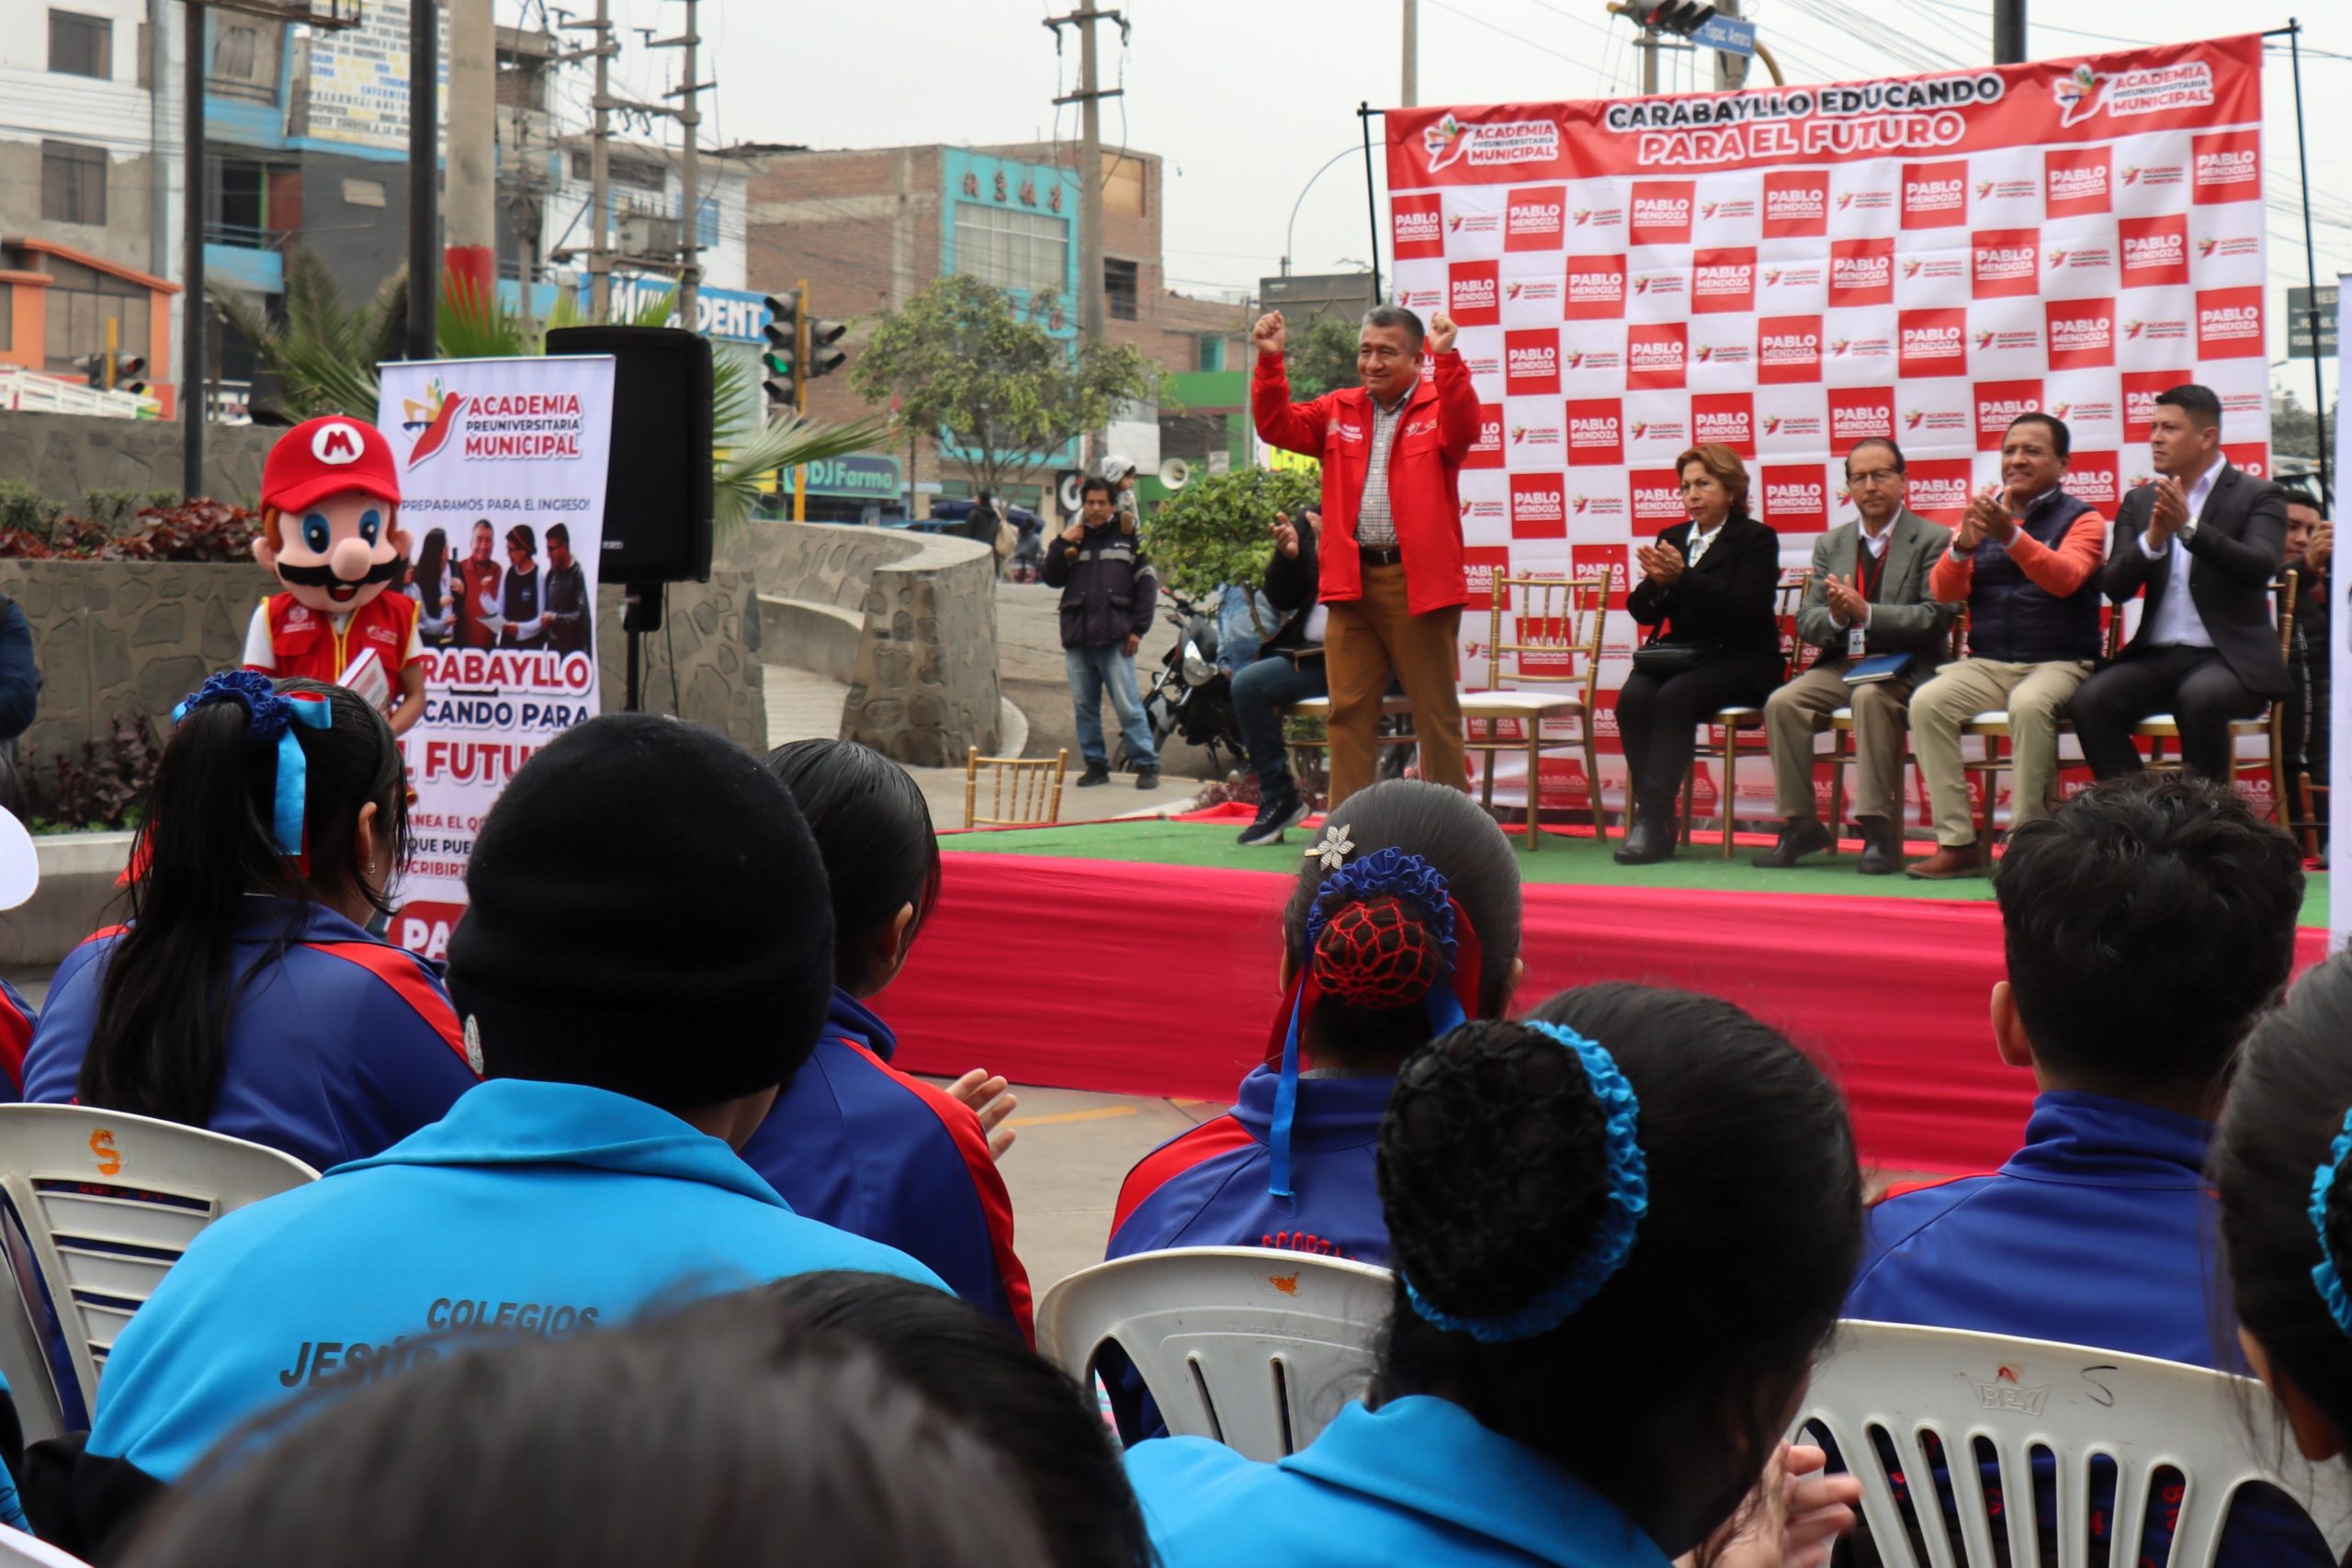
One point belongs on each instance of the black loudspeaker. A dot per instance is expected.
(657, 486)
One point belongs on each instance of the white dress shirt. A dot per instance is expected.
(1876, 544)
(1699, 543)
(2175, 623)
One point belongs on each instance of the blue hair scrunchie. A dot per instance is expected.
(270, 718)
(1621, 1214)
(2324, 1274)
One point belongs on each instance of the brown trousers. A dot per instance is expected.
(1365, 641)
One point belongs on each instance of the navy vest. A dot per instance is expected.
(2013, 619)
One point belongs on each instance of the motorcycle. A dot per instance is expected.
(1191, 700)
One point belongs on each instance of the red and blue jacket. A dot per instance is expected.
(16, 1016)
(862, 1146)
(1208, 1187)
(339, 1045)
(2098, 1232)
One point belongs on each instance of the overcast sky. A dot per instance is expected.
(1247, 99)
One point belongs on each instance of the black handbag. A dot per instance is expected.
(1667, 660)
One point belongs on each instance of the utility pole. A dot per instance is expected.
(1731, 70)
(1089, 97)
(1411, 94)
(193, 309)
(689, 120)
(1648, 43)
(474, 126)
(424, 336)
(2008, 32)
(600, 168)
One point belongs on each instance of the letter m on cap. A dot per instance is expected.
(335, 443)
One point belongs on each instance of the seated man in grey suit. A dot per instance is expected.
(2204, 540)
(1866, 597)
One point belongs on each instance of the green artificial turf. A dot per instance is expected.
(1561, 859)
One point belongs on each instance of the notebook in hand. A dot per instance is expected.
(1878, 667)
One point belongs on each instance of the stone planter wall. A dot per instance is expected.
(923, 685)
(65, 456)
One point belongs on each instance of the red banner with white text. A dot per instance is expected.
(1788, 270)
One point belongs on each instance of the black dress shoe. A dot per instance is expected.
(1881, 848)
(1800, 836)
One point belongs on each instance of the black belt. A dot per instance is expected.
(1379, 555)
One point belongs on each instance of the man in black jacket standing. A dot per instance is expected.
(1109, 592)
(2205, 539)
(1289, 669)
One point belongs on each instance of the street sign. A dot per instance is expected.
(2299, 323)
(1725, 34)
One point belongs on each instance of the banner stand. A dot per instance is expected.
(2294, 32)
(1364, 111)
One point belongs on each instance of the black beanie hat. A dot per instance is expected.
(648, 915)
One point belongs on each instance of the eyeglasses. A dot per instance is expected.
(1875, 476)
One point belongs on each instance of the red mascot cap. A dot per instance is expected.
(325, 456)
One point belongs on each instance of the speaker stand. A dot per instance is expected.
(640, 614)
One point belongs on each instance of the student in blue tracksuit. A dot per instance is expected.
(2146, 923)
(727, 1434)
(1356, 1018)
(647, 956)
(1622, 1231)
(245, 995)
(2281, 1160)
(853, 1141)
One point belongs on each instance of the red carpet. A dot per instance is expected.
(1159, 980)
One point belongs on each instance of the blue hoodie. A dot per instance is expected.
(339, 1046)
(1418, 1481)
(541, 1208)
(857, 1144)
(1208, 1187)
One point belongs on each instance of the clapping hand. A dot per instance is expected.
(1441, 333)
(1286, 535)
(1985, 516)
(991, 1100)
(2322, 546)
(1846, 602)
(1662, 564)
(2170, 511)
(1793, 1519)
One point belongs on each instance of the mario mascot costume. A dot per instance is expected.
(329, 506)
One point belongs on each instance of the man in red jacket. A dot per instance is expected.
(1392, 573)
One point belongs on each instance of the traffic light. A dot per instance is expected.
(781, 360)
(114, 372)
(1682, 17)
(823, 335)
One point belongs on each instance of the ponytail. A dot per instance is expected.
(210, 836)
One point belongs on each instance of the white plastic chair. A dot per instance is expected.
(16, 1547)
(108, 1202)
(1255, 1347)
(2072, 1404)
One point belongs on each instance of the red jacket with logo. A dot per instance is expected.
(304, 643)
(1440, 422)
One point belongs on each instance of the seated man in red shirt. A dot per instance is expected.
(330, 509)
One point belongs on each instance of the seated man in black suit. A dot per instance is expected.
(2205, 539)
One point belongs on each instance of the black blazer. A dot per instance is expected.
(1728, 600)
(2234, 553)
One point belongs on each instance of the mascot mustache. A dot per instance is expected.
(385, 571)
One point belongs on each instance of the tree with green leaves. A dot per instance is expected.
(1321, 355)
(1219, 528)
(324, 354)
(967, 359)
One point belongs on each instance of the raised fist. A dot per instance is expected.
(1268, 334)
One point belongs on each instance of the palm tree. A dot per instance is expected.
(324, 354)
